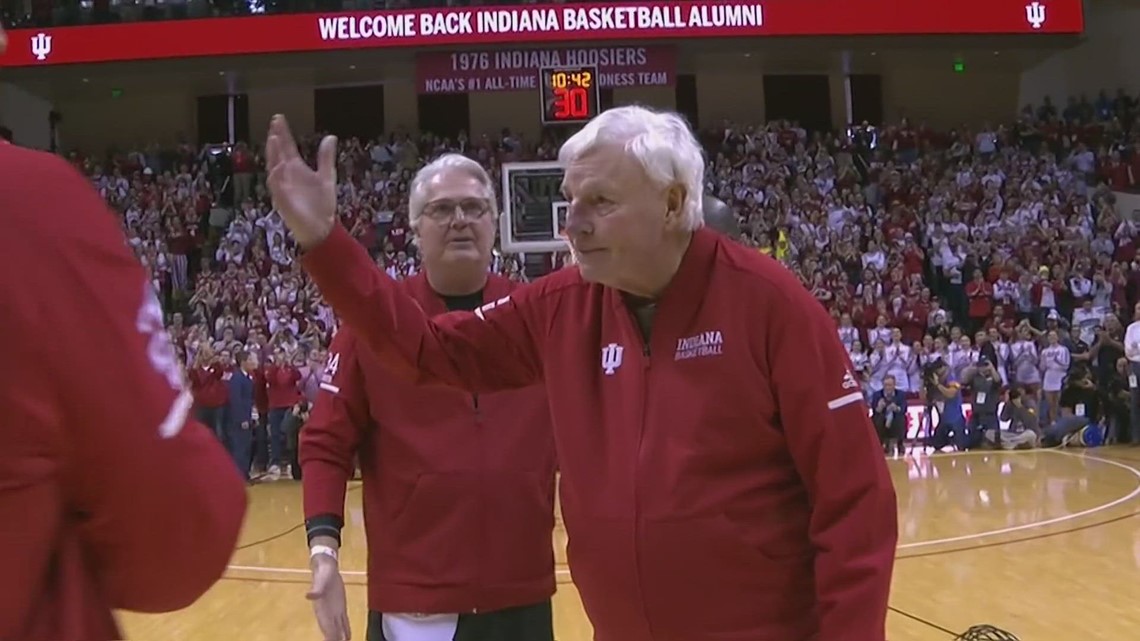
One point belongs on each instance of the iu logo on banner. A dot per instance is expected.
(41, 46)
(1035, 14)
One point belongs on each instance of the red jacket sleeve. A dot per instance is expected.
(151, 493)
(330, 437)
(492, 349)
(854, 523)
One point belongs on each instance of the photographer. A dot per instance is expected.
(983, 380)
(1080, 407)
(946, 394)
(889, 416)
(1024, 428)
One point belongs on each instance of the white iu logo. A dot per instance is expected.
(41, 46)
(1035, 14)
(611, 358)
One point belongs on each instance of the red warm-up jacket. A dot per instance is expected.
(458, 487)
(282, 385)
(207, 386)
(110, 496)
(720, 481)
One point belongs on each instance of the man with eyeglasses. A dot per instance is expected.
(458, 487)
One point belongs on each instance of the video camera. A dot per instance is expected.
(931, 369)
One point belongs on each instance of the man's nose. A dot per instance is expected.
(577, 223)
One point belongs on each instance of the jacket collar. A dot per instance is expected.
(682, 298)
(432, 303)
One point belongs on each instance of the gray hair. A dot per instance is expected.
(662, 144)
(417, 193)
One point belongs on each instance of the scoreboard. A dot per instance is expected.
(569, 94)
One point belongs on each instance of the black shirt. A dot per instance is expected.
(1106, 357)
(1075, 397)
(465, 303)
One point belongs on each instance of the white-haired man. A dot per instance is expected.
(458, 487)
(720, 475)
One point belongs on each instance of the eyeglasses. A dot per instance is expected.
(442, 211)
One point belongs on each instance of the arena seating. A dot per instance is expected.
(888, 227)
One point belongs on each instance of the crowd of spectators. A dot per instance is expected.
(1000, 242)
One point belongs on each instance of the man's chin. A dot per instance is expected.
(465, 254)
(592, 273)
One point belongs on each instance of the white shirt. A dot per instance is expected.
(1132, 342)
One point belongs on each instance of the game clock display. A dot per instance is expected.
(569, 94)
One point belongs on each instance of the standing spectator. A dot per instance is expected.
(241, 413)
(1054, 361)
(244, 170)
(283, 384)
(211, 394)
(1132, 353)
(260, 450)
(981, 296)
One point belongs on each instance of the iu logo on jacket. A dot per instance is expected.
(611, 358)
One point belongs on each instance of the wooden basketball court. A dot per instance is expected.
(1044, 544)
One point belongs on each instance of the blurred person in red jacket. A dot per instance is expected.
(260, 452)
(440, 465)
(721, 478)
(114, 498)
(283, 391)
(210, 392)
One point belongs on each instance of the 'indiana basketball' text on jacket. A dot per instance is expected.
(721, 481)
(458, 488)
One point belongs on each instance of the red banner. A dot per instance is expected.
(511, 70)
(536, 24)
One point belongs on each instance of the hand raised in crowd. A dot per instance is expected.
(306, 199)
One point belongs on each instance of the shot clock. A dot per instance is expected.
(569, 94)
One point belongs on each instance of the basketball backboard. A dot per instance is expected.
(533, 210)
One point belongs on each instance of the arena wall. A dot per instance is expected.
(938, 96)
(1105, 59)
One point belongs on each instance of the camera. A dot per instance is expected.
(931, 369)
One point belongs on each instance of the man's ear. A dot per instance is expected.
(675, 206)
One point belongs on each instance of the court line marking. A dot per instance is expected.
(565, 572)
(1037, 524)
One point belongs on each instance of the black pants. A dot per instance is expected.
(895, 430)
(524, 623)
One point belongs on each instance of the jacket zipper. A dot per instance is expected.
(485, 526)
(646, 362)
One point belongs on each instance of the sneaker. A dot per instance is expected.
(273, 473)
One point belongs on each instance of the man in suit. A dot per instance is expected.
(240, 413)
(889, 417)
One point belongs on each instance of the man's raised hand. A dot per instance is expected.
(306, 199)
